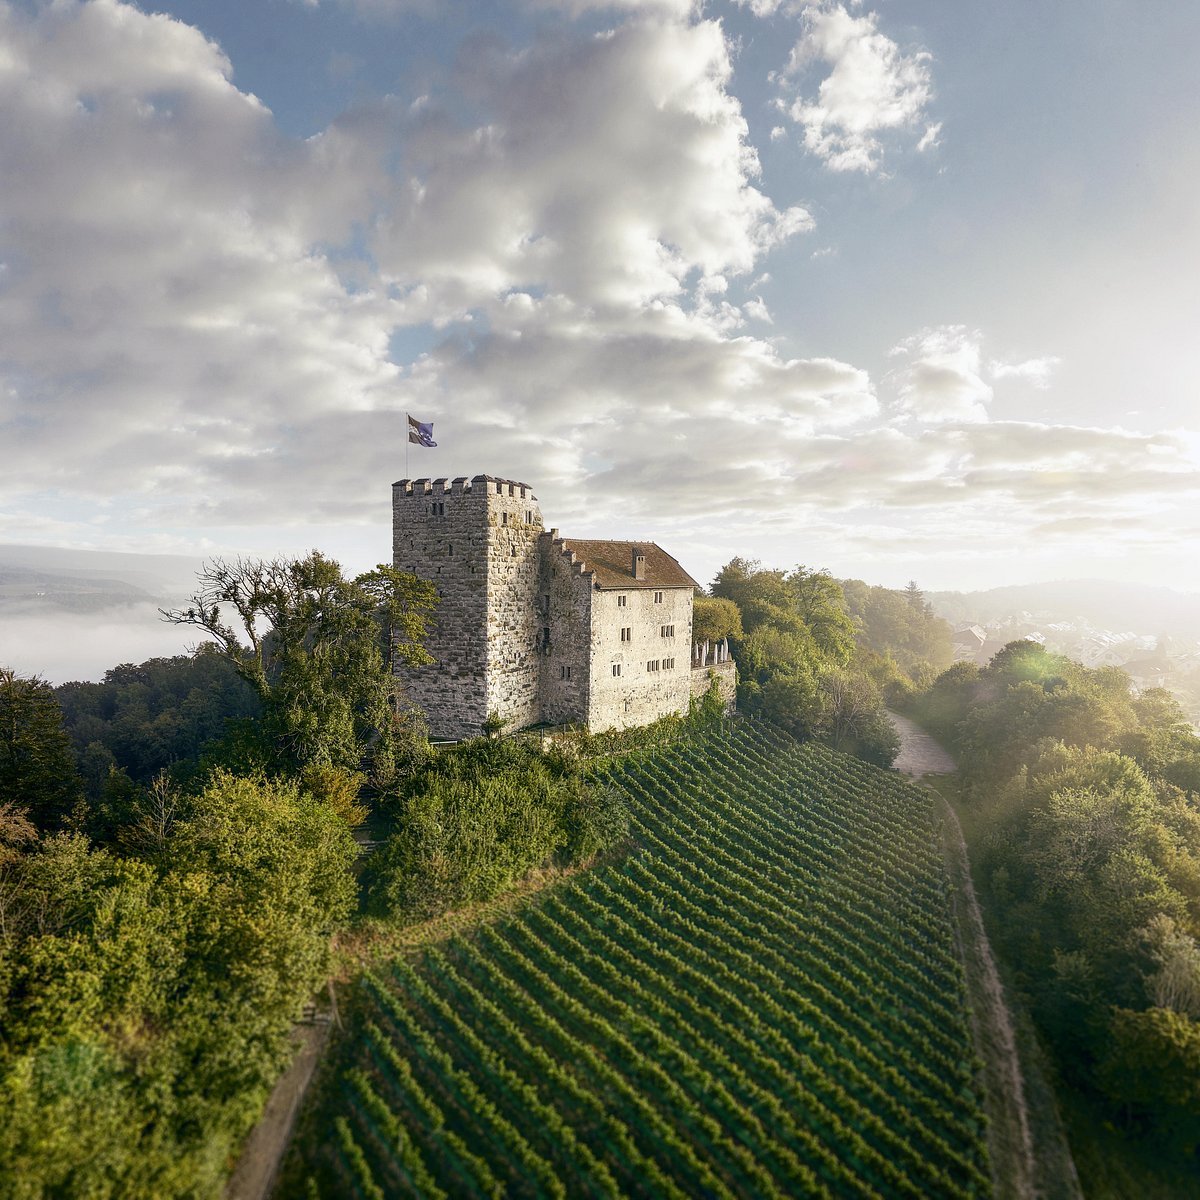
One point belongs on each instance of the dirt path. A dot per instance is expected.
(262, 1152)
(919, 753)
(1010, 1139)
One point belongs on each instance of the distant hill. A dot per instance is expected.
(46, 578)
(1139, 608)
(73, 614)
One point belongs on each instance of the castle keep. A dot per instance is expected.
(536, 628)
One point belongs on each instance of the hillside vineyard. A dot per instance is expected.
(762, 999)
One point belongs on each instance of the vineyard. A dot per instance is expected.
(762, 998)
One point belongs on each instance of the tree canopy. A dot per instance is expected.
(318, 650)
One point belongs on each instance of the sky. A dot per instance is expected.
(902, 289)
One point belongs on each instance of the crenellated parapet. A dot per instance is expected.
(461, 485)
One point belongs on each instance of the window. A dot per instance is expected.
(564, 672)
(621, 601)
(504, 518)
(627, 633)
(652, 665)
(668, 631)
(528, 517)
(450, 550)
(437, 508)
(512, 551)
(616, 670)
(668, 664)
(658, 597)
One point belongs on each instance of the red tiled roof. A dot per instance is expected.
(612, 564)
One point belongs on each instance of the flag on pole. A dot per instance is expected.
(421, 433)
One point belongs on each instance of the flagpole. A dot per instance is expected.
(406, 444)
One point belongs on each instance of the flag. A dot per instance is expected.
(421, 432)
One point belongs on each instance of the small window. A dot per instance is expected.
(564, 673)
(627, 633)
(616, 670)
(658, 597)
(668, 631)
(528, 517)
(652, 665)
(512, 552)
(504, 518)
(668, 664)
(499, 488)
(621, 601)
(450, 549)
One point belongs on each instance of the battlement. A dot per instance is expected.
(478, 484)
(574, 562)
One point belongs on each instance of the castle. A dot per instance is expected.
(535, 628)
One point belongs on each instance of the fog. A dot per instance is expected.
(63, 646)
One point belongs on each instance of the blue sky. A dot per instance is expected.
(903, 289)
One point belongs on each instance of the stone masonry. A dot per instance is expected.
(535, 628)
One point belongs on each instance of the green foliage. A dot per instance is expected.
(1153, 1066)
(146, 718)
(1093, 863)
(37, 768)
(145, 1004)
(798, 665)
(318, 650)
(900, 626)
(649, 1028)
(714, 619)
(478, 819)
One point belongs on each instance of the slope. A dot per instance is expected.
(761, 998)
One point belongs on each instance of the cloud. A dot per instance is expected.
(1036, 371)
(940, 379)
(165, 306)
(193, 343)
(872, 88)
(608, 169)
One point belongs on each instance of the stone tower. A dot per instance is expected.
(477, 540)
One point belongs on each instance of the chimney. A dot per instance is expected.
(639, 563)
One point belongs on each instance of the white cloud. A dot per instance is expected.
(1036, 371)
(754, 307)
(607, 170)
(940, 378)
(761, 8)
(872, 88)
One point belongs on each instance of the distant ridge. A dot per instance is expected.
(1141, 608)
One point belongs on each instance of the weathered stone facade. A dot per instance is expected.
(533, 627)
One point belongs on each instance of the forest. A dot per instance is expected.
(184, 843)
(1082, 803)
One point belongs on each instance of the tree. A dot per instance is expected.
(1153, 1067)
(318, 649)
(715, 619)
(37, 767)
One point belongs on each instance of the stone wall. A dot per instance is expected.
(514, 626)
(639, 694)
(566, 606)
(439, 532)
(725, 673)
